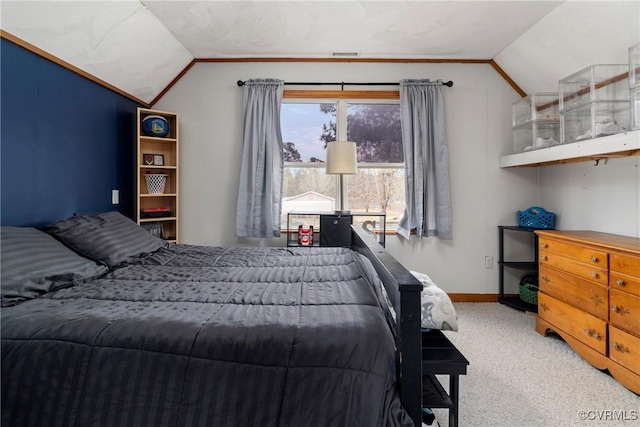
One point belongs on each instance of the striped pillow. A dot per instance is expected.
(108, 237)
(34, 263)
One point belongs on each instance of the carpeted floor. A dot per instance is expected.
(518, 378)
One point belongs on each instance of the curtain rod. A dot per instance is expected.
(343, 84)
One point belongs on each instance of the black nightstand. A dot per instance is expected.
(332, 229)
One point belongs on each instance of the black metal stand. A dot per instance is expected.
(527, 266)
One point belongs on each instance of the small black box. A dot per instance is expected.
(335, 230)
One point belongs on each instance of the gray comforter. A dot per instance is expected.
(206, 336)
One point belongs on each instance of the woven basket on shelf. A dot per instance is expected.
(529, 294)
(155, 182)
(529, 289)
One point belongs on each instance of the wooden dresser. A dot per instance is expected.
(590, 296)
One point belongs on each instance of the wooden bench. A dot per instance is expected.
(441, 357)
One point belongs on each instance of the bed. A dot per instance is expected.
(126, 330)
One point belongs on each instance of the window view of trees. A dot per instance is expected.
(379, 184)
(290, 152)
(376, 130)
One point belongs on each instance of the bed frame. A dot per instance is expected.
(404, 292)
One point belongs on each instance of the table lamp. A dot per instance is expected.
(342, 160)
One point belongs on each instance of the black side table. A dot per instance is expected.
(440, 356)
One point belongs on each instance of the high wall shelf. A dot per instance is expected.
(333, 229)
(619, 145)
(524, 266)
(157, 211)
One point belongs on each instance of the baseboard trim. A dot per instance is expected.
(476, 297)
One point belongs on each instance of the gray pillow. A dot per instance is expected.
(437, 310)
(108, 237)
(34, 263)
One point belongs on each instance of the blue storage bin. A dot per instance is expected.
(536, 217)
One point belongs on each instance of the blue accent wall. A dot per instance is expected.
(65, 142)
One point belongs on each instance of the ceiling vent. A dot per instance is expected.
(344, 54)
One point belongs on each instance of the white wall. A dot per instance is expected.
(603, 198)
(478, 111)
(575, 35)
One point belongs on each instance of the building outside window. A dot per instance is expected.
(373, 125)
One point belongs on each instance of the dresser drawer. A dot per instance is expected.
(624, 348)
(582, 326)
(624, 311)
(623, 282)
(587, 271)
(583, 294)
(579, 253)
(625, 263)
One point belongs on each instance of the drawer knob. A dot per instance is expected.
(594, 275)
(592, 334)
(544, 257)
(544, 307)
(619, 347)
(546, 279)
(620, 310)
(594, 259)
(597, 300)
(620, 282)
(544, 245)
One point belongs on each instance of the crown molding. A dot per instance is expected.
(26, 45)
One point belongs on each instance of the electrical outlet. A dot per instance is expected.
(115, 197)
(488, 261)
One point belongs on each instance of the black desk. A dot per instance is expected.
(441, 357)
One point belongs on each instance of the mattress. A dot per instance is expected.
(207, 336)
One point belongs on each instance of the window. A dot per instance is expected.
(373, 125)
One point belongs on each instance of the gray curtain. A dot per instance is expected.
(260, 191)
(426, 158)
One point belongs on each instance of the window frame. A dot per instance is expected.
(341, 99)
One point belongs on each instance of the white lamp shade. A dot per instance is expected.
(342, 158)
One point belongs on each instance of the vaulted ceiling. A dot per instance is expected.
(139, 47)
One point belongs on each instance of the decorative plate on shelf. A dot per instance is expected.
(155, 126)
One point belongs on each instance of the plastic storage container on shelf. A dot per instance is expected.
(595, 119)
(634, 66)
(604, 82)
(536, 122)
(635, 108)
(539, 107)
(535, 136)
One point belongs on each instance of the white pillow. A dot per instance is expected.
(437, 309)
